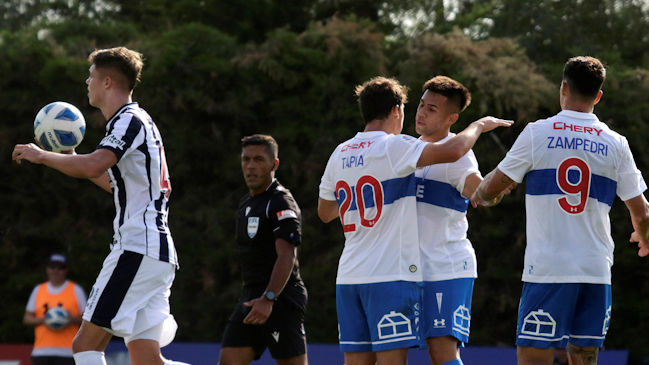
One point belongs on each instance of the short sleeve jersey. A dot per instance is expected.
(446, 252)
(371, 176)
(140, 184)
(262, 220)
(574, 167)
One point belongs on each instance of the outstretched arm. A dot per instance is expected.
(91, 166)
(492, 189)
(639, 209)
(456, 147)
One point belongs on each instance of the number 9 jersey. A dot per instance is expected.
(575, 166)
(371, 176)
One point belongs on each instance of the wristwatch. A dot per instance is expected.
(270, 295)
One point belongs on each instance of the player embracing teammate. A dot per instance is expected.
(378, 292)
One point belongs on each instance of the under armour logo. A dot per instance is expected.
(439, 323)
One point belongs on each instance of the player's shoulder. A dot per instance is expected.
(282, 197)
(404, 138)
(279, 191)
(130, 112)
(613, 133)
(244, 200)
(540, 123)
(73, 283)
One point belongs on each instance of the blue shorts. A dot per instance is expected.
(552, 315)
(447, 309)
(378, 316)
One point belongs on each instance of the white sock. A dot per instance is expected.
(89, 358)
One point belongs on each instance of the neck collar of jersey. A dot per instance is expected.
(121, 110)
(370, 134)
(578, 115)
(271, 186)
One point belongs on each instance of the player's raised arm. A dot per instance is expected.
(456, 147)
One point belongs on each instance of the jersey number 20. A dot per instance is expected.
(581, 188)
(363, 181)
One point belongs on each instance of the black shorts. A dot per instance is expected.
(283, 333)
(52, 360)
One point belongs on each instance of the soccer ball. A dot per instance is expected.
(56, 318)
(59, 126)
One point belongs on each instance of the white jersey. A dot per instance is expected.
(140, 183)
(575, 165)
(372, 178)
(446, 253)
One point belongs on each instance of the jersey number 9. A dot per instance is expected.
(580, 188)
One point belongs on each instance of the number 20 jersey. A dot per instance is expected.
(371, 176)
(574, 167)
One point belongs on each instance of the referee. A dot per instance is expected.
(270, 312)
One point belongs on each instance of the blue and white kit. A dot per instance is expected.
(574, 165)
(448, 258)
(371, 176)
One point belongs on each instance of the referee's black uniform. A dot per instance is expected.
(263, 219)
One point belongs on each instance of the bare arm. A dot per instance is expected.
(470, 184)
(639, 209)
(103, 182)
(492, 189)
(327, 210)
(30, 319)
(456, 147)
(262, 307)
(91, 166)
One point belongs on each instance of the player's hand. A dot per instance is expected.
(477, 200)
(260, 311)
(643, 245)
(29, 152)
(491, 123)
(508, 190)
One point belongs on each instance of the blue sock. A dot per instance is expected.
(454, 362)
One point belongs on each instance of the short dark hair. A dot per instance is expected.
(261, 140)
(452, 89)
(121, 59)
(585, 75)
(378, 96)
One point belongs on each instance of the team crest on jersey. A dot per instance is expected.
(253, 224)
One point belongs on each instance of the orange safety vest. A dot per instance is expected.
(45, 337)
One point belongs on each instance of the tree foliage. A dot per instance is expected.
(216, 71)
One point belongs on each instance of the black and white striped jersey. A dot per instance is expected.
(140, 184)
